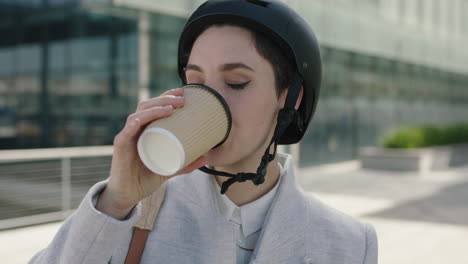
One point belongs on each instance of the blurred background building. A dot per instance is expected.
(70, 70)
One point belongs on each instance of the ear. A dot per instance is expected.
(299, 98)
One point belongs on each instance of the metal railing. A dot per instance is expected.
(43, 185)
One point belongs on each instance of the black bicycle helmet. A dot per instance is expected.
(277, 21)
(294, 38)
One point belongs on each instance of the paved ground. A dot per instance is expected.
(418, 218)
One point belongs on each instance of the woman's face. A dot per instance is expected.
(225, 59)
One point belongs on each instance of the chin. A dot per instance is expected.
(215, 157)
(220, 156)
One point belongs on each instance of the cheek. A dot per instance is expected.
(251, 112)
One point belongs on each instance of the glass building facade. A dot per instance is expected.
(69, 77)
(364, 97)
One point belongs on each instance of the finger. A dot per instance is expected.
(125, 136)
(175, 101)
(176, 92)
(136, 121)
(151, 114)
(173, 93)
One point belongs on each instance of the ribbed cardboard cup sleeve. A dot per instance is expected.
(170, 144)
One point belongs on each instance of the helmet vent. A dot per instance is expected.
(258, 2)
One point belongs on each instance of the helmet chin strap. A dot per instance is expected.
(285, 116)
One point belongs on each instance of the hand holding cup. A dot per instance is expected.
(130, 180)
(170, 144)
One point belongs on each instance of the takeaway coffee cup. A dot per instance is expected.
(170, 144)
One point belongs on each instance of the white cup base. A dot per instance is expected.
(168, 158)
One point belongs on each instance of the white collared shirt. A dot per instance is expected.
(248, 218)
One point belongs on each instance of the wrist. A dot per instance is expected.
(110, 206)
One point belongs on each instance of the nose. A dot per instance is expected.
(219, 86)
(215, 83)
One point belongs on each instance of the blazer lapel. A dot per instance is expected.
(283, 234)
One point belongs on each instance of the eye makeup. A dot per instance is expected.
(238, 86)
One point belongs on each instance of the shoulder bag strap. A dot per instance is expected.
(149, 210)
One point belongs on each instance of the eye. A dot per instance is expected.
(194, 78)
(238, 86)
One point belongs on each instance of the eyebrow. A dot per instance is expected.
(225, 67)
(236, 65)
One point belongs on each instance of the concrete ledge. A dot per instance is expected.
(34, 219)
(422, 160)
(54, 153)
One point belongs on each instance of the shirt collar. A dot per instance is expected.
(250, 216)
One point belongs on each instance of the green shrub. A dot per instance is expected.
(426, 136)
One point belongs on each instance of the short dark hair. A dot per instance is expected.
(283, 67)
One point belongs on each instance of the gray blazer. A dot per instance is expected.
(189, 229)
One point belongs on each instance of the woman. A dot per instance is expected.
(264, 60)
